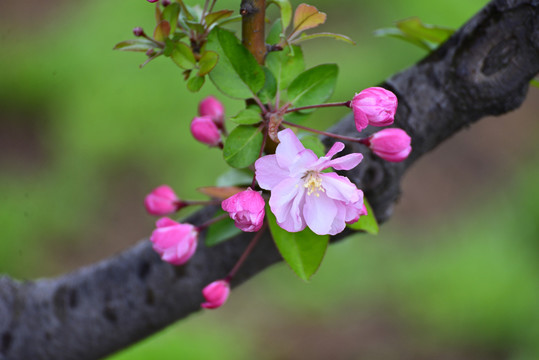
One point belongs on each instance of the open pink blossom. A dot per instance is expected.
(162, 201)
(374, 106)
(301, 194)
(174, 242)
(391, 144)
(216, 294)
(246, 208)
(213, 108)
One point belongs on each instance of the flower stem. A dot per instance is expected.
(253, 14)
(246, 253)
(346, 103)
(212, 221)
(328, 134)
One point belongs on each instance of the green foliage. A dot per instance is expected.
(286, 65)
(237, 73)
(412, 30)
(303, 251)
(313, 86)
(242, 146)
(247, 117)
(221, 231)
(367, 222)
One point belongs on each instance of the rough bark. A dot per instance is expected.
(484, 69)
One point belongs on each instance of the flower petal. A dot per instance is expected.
(319, 212)
(346, 162)
(336, 148)
(286, 202)
(288, 148)
(268, 172)
(339, 187)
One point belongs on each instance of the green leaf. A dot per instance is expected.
(416, 29)
(398, 34)
(367, 222)
(303, 251)
(313, 143)
(274, 34)
(237, 73)
(286, 12)
(221, 231)
(412, 30)
(235, 18)
(285, 65)
(269, 90)
(234, 177)
(243, 146)
(306, 17)
(139, 45)
(217, 16)
(162, 31)
(195, 83)
(183, 56)
(344, 38)
(170, 14)
(313, 86)
(207, 62)
(534, 82)
(247, 117)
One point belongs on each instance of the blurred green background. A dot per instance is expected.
(85, 134)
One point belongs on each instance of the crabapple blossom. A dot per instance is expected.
(374, 106)
(246, 208)
(301, 194)
(205, 131)
(216, 294)
(213, 108)
(174, 242)
(162, 201)
(391, 144)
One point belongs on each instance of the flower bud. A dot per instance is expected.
(374, 106)
(138, 31)
(246, 209)
(213, 108)
(174, 242)
(205, 131)
(391, 144)
(216, 294)
(162, 201)
(152, 1)
(165, 3)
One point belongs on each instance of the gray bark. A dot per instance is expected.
(484, 69)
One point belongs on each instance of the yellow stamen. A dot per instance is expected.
(313, 183)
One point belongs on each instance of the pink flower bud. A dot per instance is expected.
(174, 242)
(374, 106)
(138, 31)
(391, 144)
(205, 131)
(246, 209)
(162, 201)
(165, 3)
(152, 1)
(216, 294)
(213, 108)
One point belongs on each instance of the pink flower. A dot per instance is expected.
(162, 201)
(358, 209)
(174, 242)
(246, 209)
(301, 194)
(391, 144)
(374, 106)
(216, 294)
(205, 131)
(213, 108)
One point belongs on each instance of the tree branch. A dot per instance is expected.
(484, 69)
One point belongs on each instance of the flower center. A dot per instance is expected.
(312, 183)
